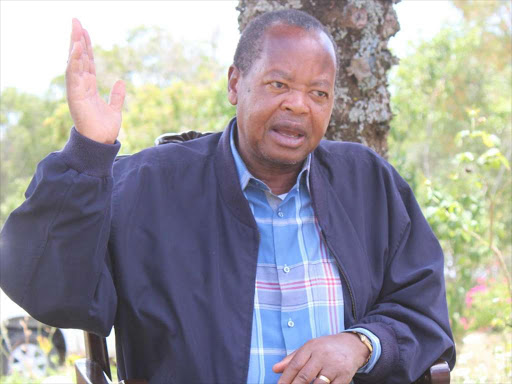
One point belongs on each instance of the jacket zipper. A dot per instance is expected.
(343, 274)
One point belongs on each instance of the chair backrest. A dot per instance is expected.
(438, 373)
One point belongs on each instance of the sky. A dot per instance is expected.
(34, 35)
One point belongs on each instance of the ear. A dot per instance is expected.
(233, 78)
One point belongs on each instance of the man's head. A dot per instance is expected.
(249, 46)
(283, 87)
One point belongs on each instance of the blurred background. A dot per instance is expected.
(450, 136)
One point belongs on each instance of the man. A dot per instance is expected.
(257, 255)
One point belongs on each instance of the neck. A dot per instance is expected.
(280, 179)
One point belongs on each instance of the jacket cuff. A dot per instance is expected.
(88, 156)
(375, 346)
(389, 352)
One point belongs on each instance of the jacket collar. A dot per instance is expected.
(328, 209)
(228, 180)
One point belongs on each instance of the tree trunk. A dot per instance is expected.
(361, 29)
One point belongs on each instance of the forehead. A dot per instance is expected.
(293, 47)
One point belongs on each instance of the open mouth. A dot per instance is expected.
(294, 135)
(291, 137)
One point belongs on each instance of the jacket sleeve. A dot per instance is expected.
(410, 316)
(54, 248)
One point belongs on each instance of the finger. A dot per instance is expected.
(329, 375)
(295, 365)
(73, 69)
(339, 380)
(117, 94)
(76, 33)
(76, 52)
(279, 367)
(309, 372)
(92, 67)
(85, 56)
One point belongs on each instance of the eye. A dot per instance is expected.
(320, 94)
(277, 84)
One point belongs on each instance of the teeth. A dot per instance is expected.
(290, 134)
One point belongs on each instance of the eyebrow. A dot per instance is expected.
(279, 73)
(320, 83)
(287, 76)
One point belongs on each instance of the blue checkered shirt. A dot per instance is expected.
(298, 293)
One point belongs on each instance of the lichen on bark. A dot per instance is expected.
(361, 29)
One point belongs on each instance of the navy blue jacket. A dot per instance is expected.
(163, 246)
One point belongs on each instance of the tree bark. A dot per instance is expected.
(361, 29)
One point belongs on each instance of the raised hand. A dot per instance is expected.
(93, 117)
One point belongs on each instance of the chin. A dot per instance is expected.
(280, 160)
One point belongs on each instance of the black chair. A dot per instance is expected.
(95, 368)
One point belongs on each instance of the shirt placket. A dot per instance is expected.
(283, 226)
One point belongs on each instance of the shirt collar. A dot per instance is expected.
(245, 176)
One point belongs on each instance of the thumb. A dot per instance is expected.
(117, 94)
(280, 367)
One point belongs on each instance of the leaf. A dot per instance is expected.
(493, 158)
(491, 140)
(460, 136)
(465, 157)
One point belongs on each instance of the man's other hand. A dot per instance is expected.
(337, 357)
(93, 117)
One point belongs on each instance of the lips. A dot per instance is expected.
(288, 134)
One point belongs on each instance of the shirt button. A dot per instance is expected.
(280, 213)
(286, 269)
(291, 324)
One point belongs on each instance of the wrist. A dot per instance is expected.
(97, 137)
(85, 155)
(366, 346)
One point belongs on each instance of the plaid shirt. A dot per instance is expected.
(298, 293)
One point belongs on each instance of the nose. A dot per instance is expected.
(295, 101)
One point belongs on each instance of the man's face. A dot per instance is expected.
(284, 101)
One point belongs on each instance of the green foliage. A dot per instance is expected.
(182, 106)
(451, 139)
(473, 232)
(491, 305)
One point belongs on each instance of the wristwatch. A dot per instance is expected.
(366, 341)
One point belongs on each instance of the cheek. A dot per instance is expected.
(326, 110)
(259, 112)
(322, 116)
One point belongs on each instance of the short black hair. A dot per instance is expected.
(250, 44)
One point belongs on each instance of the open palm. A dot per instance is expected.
(93, 117)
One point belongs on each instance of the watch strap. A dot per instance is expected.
(366, 341)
